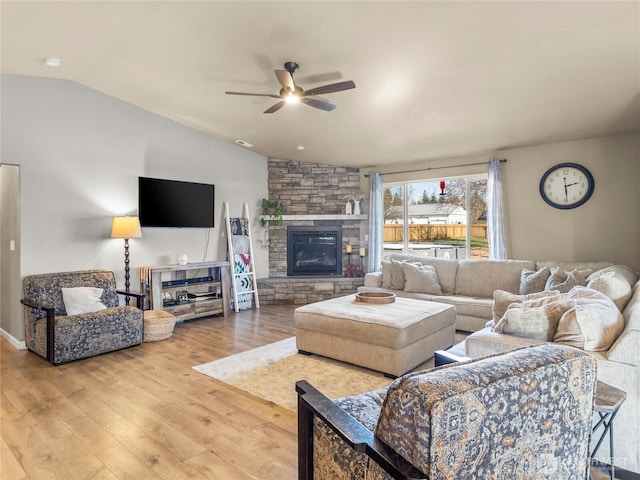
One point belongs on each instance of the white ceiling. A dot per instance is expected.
(433, 79)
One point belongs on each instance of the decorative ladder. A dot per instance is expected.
(243, 225)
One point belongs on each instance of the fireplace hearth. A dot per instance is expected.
(314, 251)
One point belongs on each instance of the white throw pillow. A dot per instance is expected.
(82, 300)
(537, 319)
(593, 324)
(421, 279)
(622, 270)
(613, 286)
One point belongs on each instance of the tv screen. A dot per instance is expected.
(170, 203)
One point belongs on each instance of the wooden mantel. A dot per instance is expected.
(293, 218)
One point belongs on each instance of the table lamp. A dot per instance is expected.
(126, 227)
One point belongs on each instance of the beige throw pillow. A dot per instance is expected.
(421, 279)
(592, 324)
(82, 300)
(393, 275)
(565, 280)
(533, 281)
(502, 300)
(446, 270)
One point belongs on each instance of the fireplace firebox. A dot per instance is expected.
(314, 251)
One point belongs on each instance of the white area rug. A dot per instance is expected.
(271, 371)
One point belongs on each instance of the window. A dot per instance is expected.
(444, 218)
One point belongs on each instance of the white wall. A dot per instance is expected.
(80, 153)
(606, 228)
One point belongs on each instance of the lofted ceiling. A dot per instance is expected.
(433, 79)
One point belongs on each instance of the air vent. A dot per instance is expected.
(243, 143)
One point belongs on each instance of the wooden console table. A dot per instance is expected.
(189, 291)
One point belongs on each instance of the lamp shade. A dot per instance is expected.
(126, 227)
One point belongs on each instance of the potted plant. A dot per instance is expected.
(271, 213)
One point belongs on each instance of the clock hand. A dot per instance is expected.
(575, 183)
(566, 193)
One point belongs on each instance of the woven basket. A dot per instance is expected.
(158, 325)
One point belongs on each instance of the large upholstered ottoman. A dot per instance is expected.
(392, 338)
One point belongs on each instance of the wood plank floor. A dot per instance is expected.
(144, 413)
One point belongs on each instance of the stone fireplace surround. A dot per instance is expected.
(312, 195)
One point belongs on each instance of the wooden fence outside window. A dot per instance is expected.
(430, 232)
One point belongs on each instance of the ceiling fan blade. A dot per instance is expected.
(276, 107)
(253, 94)
(285, 79)
(331, 88)
(317, 103)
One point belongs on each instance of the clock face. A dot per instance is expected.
(567, 185)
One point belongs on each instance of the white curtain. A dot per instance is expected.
(495, 213)
(376, 213)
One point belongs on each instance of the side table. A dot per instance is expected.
(607, 403)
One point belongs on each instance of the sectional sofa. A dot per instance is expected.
(467, 284)
(507, 304)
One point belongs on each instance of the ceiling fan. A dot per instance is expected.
(291, 93)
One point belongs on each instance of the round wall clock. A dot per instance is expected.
(566, 185)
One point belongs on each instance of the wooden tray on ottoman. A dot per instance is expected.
(375, 297)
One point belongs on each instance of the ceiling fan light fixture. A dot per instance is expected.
(292, 93)
(292, 98)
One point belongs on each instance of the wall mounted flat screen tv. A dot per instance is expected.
(171, 203)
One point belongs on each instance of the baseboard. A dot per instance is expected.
(18, 344)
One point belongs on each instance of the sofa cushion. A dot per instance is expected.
(592, 324)
(533, 281)
(564, 280)
(502, 300)
(82, 300)
(614, 286)
(421, 278)
(631, 312)
(593, 266)
(487, 342)
(480, 278)
(468, 306)
(625, 348)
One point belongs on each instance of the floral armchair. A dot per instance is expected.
(521, 415)
(60, 337)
